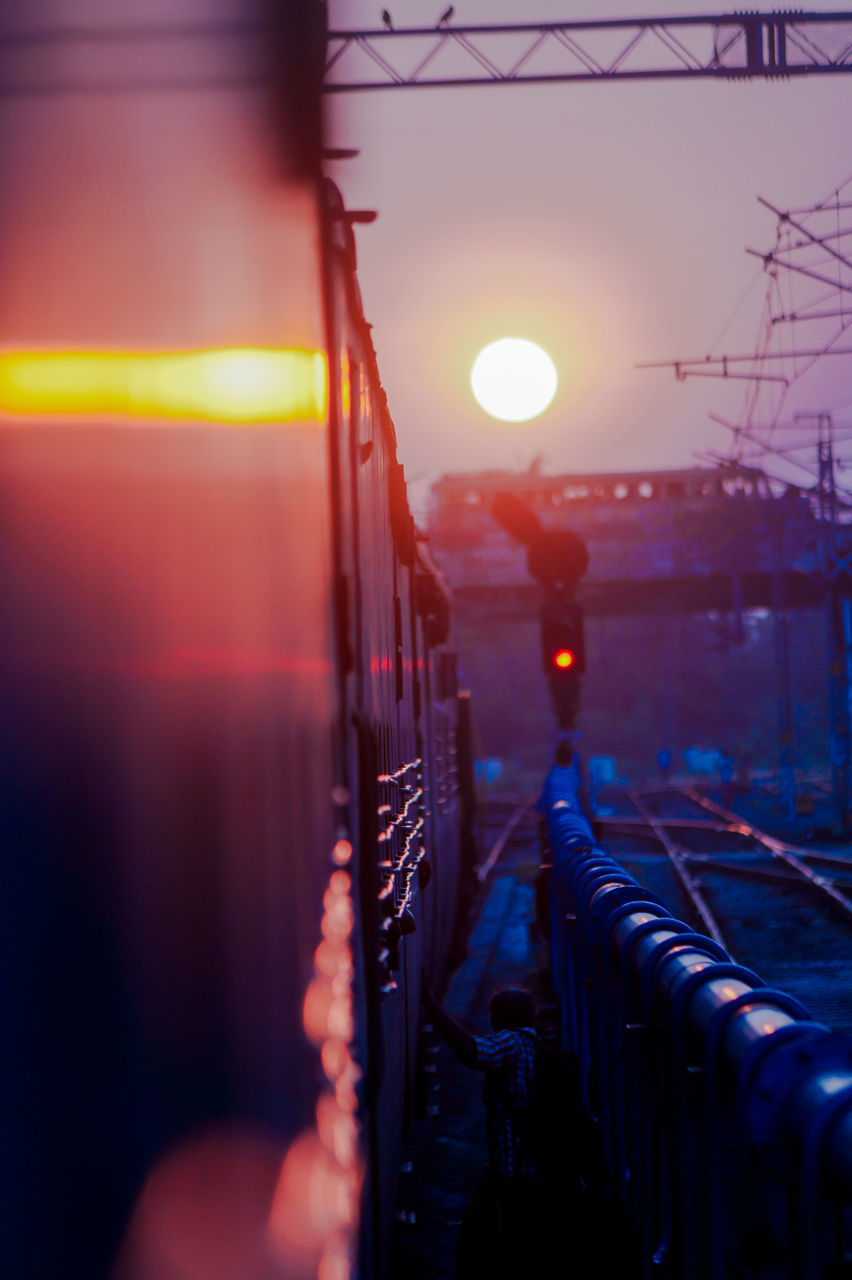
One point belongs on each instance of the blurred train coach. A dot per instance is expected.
(230, 809)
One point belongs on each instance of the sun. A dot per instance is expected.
(513, 379)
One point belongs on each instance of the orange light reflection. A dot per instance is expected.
(229, 385)
(314, 1216)
(342, 852)
(345, 383)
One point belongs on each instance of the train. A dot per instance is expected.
(235, 820)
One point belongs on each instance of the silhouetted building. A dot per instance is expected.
(719, 534)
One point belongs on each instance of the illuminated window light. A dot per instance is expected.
(235, 384)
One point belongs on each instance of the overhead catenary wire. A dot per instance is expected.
(808, 277)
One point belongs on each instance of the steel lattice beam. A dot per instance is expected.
(719, 46)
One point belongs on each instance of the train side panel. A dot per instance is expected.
(383, 760)
(220, 673)
(399, 790)
(167, 660)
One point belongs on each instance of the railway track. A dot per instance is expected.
(781, 910)
(506, 823)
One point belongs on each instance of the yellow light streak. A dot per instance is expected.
(345, 383)
(230, 385)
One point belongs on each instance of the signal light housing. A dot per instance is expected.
(562, 648)
(563, 655)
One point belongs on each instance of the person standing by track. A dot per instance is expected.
(504, 1229)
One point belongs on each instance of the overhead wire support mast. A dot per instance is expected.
(727, 46)
(718, 366)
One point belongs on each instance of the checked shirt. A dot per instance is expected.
(508, 1060)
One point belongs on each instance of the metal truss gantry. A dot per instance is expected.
(717, 46)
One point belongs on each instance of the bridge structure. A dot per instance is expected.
(726, 46)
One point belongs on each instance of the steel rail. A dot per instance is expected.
(735, 826)
(503, 838)
(712, 862)
(697, 824)
(676, 856)
(831, 859)
(787, 853)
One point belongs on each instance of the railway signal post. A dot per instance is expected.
(563, 653)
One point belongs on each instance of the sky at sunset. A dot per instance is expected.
(605, 221)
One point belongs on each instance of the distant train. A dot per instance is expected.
(229, 722)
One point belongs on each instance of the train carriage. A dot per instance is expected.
(398, 690)
(229, 717)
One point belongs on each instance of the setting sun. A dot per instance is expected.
(513, 379)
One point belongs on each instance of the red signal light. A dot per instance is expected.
(563, 659)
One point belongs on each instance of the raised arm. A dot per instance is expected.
(460, 1041)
